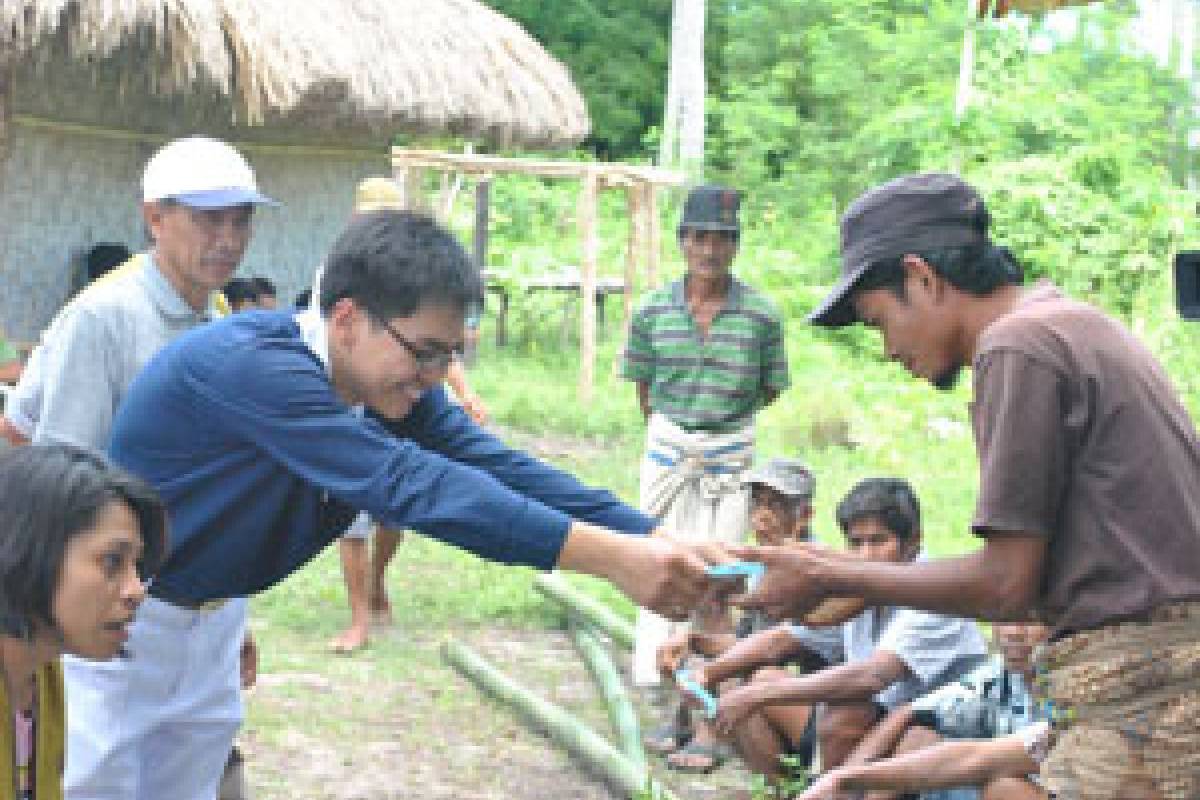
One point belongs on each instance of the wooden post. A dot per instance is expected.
(635, 251)
(654, 239)
(589, 245)
(482, 212)
(412, 194)
(480, 254)
(634, 255)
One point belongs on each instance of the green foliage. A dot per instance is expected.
(1093, 220)
(616, 51)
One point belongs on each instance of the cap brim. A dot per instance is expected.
(223, 198)
(836, 309)
(766, 480)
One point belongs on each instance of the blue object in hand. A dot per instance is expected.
(685, 680)
(752, 570)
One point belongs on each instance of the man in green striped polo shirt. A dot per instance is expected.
(706, 353)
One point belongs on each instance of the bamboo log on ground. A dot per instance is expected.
(562, 727)
(590, 609)
(612, 690)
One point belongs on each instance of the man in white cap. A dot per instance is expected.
(198, 199)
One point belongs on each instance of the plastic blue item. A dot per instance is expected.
(685, 680)
(753, 570)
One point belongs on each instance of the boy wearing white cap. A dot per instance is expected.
(198, 198)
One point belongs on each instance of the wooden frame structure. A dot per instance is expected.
(640, 184)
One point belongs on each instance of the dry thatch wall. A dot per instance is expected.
(350, 72)
(63, 192)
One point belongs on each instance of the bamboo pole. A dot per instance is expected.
(589, 245)
(595, 612)
(616, 700)
(559, 725)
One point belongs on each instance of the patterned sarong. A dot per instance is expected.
(1125, 705)
(692, 482)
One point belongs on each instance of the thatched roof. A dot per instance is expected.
(343, 71)
(998, 8)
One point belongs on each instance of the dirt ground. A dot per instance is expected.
(347, 734)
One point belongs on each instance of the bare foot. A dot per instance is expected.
(381, 609)
(348, 641)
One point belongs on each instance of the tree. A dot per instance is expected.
(616, 51)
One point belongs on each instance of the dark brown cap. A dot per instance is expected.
(910, 214)
(711, 208)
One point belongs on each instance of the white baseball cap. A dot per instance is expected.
(202, 173)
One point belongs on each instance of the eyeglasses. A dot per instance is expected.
(428, 361)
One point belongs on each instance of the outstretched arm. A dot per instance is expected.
(942, 766)
(999, 582)
(766, 648)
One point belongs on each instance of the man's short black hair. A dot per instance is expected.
(394, 262)
(50, 494)
(977, 269)
(891, 501)
(263, 286)
(239, 291)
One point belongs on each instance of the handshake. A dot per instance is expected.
(674, 578)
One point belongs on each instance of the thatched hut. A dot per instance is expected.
(312, 91)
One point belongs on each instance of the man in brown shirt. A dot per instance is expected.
(1089, 498)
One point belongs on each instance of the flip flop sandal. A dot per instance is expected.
(716, 754)
(666, 739)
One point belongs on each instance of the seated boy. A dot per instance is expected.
(990, 702)
(781, 492)
(880, 659)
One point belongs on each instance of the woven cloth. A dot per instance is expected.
(1124, 701)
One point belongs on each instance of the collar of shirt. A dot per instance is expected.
(168, 300)
(315, 334)
(733, 299)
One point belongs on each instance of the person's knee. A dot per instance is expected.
(840, 727)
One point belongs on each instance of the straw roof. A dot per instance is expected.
(347, 71)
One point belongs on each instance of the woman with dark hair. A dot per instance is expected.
(79, 539)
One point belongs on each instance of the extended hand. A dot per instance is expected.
(794, 585)
(669, 656)
(656, 572)
(734, 706)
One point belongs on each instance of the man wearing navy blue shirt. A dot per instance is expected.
(251, 430)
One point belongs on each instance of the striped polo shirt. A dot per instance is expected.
(714, 383)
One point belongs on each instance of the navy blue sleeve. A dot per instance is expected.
(277, 397)
(438, 424)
